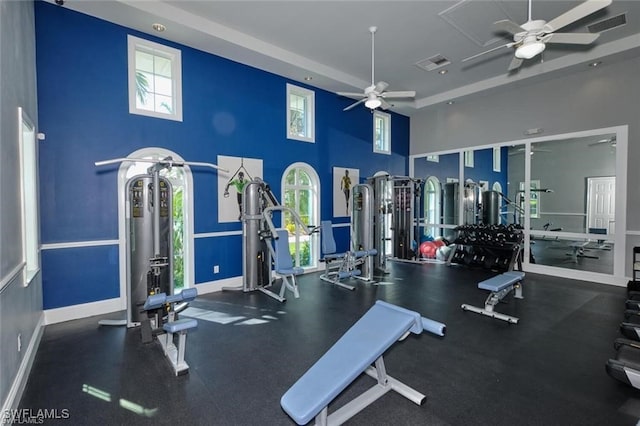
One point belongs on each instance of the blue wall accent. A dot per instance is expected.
(448, 166)
(228, 109)
(79, 275)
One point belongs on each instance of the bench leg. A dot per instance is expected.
(384, 385)
(492, 300)
(518, 292)
(173, 353)
(333, 279)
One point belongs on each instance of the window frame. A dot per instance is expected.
(29, 198)
(497, 159)
(386, 118)
(469, 158)
(310, 113)
(175, 56)
(314, 213)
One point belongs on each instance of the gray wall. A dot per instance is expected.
(20, 307)
(600, 97)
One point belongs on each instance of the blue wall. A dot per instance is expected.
(83, 109)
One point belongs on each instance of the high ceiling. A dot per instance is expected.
(329, 41)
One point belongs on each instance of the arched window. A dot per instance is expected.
(301, 192)
(498, 188)
(182, 238)
(432, 191)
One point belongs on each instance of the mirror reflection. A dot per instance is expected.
(573, 191)
(570, 205)
(440, 173)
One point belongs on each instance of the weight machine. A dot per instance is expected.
(258, 232)
(148, 216)
(395, 219)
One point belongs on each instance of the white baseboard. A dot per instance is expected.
(68, 313)
(20, 381)
(214, 286)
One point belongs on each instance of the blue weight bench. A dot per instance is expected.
(174, 353)
(499, 286)
(353, 354)
(340, 266)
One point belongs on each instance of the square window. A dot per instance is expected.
(300, 114)
(468, 159)
(381, 132)
(433, 158)
(155, 79)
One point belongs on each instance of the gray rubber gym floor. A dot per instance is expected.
(249, 349)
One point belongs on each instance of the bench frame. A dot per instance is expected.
(315, 391)
(155, 305)
(175, 353)
(496, 296)
(385, 384)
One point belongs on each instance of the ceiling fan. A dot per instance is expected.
(522, 150)
(530, 38)
(374, 96)
(611, 141)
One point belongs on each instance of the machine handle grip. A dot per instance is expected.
(434, 327)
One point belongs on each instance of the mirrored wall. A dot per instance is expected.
(567, 192)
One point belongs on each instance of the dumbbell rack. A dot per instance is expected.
(495, 247)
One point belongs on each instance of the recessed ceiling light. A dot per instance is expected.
(595, 64)
(443, 72)
(158, 27)
(450, 102)
(308, 78)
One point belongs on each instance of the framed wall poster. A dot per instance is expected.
(231, 184)
(343, 181)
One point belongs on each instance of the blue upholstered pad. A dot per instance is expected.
(180, 325)
(358, 348)
(501, 281)
(155, 301)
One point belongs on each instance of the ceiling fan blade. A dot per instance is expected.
(515, 64)
(399, 94)
(384, 105)
(355, 104)
(508, 26)
(350, 95)
(381, 86)
(487, 51)
(575, 14)
(570, 38)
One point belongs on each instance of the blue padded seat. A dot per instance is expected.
(502, 281)
(283, 260)
(180, 325)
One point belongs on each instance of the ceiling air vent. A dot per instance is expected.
(608, 24)
(433, 63)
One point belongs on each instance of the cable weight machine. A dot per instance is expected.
(258, 230)
(149, 231)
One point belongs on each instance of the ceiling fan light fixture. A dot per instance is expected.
(529, 50)
(373, 103)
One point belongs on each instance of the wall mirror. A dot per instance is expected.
(567, 192)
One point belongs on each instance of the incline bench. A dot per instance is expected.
(499, 286)
(353, 354)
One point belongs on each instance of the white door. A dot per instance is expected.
(601, 201)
